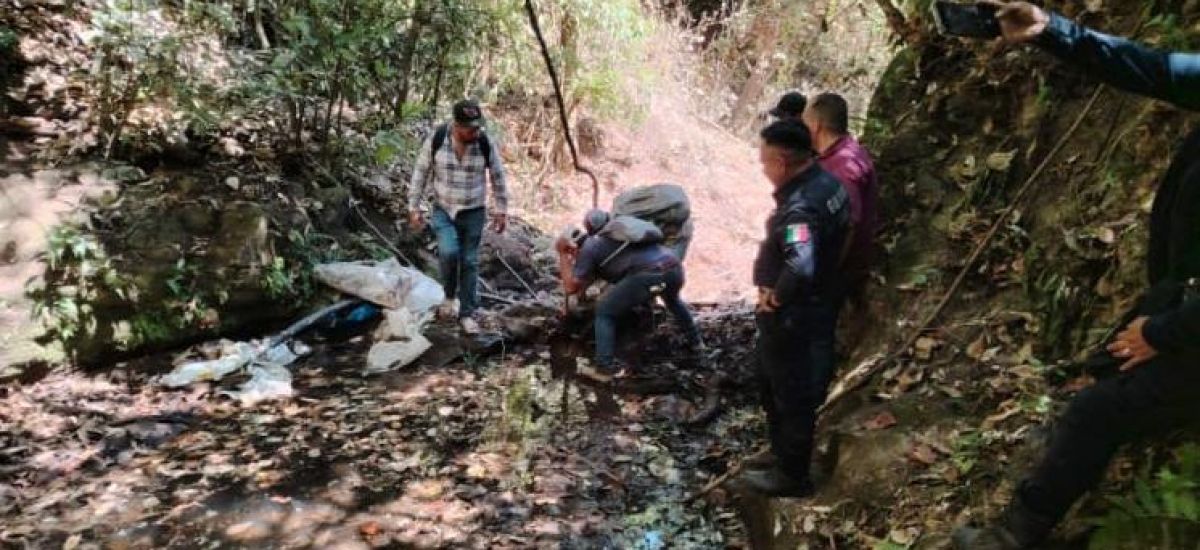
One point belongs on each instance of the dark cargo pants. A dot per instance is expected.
(795, 366)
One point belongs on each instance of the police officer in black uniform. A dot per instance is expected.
(1149, 375)
(796, 275)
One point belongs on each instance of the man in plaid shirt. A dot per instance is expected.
(458, 166)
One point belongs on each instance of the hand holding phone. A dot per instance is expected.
(967, 20)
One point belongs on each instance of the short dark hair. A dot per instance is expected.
(790, 135)
(833, 111)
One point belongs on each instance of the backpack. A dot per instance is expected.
(439, 139)
(629, 231)
(665, 205)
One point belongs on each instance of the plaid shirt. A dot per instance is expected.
(457, 185)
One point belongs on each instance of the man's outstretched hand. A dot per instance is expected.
(1132, 346)
(1020, 22)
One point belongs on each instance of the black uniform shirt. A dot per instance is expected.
(805, 233)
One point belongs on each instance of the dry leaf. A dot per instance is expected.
(369, 529)
(976, 349)
(1078, 384)
(1008, 409)
(924, 454)
(881, 421)
(924, 347)
(73, 542)
(1000, 162)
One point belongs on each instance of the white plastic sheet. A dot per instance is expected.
(399, 342)
(233, 358)
(386, 283)
(267, 381)
(269, 376)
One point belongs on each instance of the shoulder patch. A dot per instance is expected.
(797, 233)
(838, 200)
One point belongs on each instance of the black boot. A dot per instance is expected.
(1018, 528)
(774, 482)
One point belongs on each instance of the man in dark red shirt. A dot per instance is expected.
(828, 119)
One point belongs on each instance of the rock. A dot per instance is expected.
(124, 174)
(242, 238)
(334, 210)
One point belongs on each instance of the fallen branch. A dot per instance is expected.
(515, 274)
(379, 234)
(497, 298)
(721, 479)
(847, 386)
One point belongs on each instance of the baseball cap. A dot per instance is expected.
(790, 104)
(468, 113)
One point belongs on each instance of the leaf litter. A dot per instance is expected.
(480, 456)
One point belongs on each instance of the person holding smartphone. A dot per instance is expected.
(1152, 384)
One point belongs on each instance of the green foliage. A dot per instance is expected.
(1163, 511)
(616, 37)
(292, 279)
(149, 54)
(78, 274)
(1170, 33)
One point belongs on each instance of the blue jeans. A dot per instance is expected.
(632, 291)
(458, 254)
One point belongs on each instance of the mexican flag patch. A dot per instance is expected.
(796, 233)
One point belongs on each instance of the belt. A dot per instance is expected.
(660, 267)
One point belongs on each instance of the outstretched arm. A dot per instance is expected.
(1128, 65)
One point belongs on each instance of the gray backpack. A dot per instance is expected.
(665, 205)
(628, 231)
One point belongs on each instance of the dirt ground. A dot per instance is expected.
(484, 453)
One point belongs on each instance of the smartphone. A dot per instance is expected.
(966, 20)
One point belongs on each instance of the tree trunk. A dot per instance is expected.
(568, 45)
(404, 67)
(437, 81)
(256, 8)
(765, 31)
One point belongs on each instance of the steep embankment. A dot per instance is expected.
(942, 433)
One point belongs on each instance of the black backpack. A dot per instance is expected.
(439, 139)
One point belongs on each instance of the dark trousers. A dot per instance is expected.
(796, 365)
(634, 290)
(1154, 398)
(458, 242)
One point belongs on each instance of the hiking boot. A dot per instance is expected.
(774, 482)
(448, 309)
